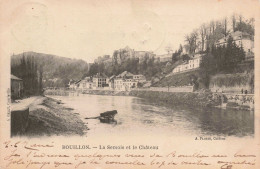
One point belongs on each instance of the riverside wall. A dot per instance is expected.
(178, 98)
(19, 121)
(166, 96)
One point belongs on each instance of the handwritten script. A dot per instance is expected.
(44, 156)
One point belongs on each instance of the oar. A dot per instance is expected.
(92, 117)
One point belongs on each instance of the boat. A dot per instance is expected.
(108, 116)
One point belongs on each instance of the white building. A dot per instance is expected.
(127, 81)
(85, 83)
(118, 83)
(192, 64)
(139, 78)
(241, 39)
(129, 84)
(100, 81)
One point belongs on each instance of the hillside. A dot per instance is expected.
(56, 70)
(181, 79)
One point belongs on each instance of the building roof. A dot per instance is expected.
(112, 77)
(125, 74)
(100, 75)
(238, 33)
(13, 77)
(235, 35)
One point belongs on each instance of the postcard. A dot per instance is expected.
(146, 84)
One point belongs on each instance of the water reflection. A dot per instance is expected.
(141, 116)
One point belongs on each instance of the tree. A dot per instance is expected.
(185, 57)
(188, 38)
(180, 50)
(225, 25)
(233, 56)
(28, 70)
(233, 17)
(203, 34)
(174, 56)
(206, 69)
(245, 27)
(192, 41)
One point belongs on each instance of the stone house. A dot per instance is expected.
(16, 87)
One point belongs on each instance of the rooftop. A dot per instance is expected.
(13, 77)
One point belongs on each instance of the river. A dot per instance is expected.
(138, 116)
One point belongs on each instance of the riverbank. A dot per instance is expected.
(106, 92)
(200, 99)
(94, 92)
(177, 99)
(48, 117)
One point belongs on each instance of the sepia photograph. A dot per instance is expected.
(154, 72)
(202, 84)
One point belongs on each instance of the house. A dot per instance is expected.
(192, 64)
(16, 87)
(77, 83)
(125, 84)
(111, 82)
(85, 83)
(118, 83)
(72, 84)
(100, 81)
(125, 74)
(139, 78)
(126, 81)
(241, 39)
(129, 84)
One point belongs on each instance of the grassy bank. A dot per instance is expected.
(51, 118)
(181, 79)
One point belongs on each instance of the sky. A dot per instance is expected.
(86, 29)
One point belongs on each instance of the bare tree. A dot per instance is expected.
(240, 17)
(188, 38)
(225, 24)
(203, 34)
(233, 17)
(192, 41)
(194, 36)
(212, 27)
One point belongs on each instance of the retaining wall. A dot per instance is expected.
(19, 121)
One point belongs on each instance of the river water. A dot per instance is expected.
(138, 116)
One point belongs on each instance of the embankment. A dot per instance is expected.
(198, 99)
(106, 92)
(175, 99)
(51, 118)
